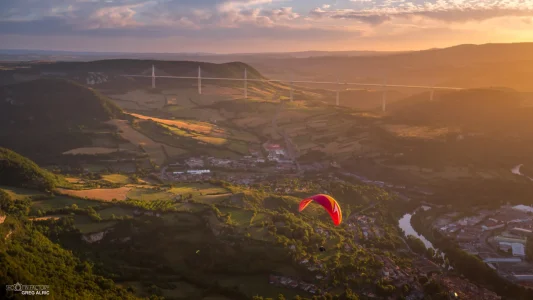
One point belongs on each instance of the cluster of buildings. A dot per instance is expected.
(381, 184)
(396, 275)
(463, 289)
(277, 154)
(195, 168)
(293, 283)
(498, 237)
(245, 163)
(177, 171)
(365, 223)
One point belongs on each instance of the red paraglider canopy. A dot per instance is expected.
(329, 204)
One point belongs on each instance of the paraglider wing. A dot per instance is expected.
(329, 204)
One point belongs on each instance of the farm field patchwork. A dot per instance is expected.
(145, 194)
(153, 149)
(107, 213)
(21, 193)
(116, 178)
(59, 202)
(417, 132)
(86, 225)
(195, 126)
(118, 194)
(91, 151)
(142, 98)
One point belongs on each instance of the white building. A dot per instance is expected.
(523, 208)
(198, 172)
(521, 231)
(503, 260)
(524, 277)
(280, 152)
(195, 162)
(518, 249)
(500, 239)
(489, 227)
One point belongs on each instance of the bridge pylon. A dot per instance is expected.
(245, 84)
(153, 77)
(384, 97)
(199, 80)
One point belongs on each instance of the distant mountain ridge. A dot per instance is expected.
(56, 55)
(108, 74)
(466, 66)
(135, 67)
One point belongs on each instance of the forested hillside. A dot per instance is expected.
(16, 170)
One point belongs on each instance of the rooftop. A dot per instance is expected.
(524, 277)
(523, 208)
(273, 147)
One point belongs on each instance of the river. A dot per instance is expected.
(405, 225)
(516, 170)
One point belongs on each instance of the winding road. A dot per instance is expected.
(288, 143)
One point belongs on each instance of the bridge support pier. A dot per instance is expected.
(245, 84)
(291, 96)
(153, 77)
(431, 94)
(384, 99)
(337, 94)
(199, 80)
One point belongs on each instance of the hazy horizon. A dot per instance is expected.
(261, 26)
(192, 52)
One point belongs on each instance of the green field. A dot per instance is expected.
(257, 285)
(212, 199)
(196, 188)
(86, 225)
(106, 213)
(237, 146)
(260, 234)
(94, 168)
(149, 194)
(190, 207)
(60, 202)
(181, 219)
(260, 217)
(240, 216)
(20, 193)
(116, 178)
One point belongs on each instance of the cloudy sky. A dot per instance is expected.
(225, 26)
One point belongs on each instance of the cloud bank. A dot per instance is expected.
(244, 19)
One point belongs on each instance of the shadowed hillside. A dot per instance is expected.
(483, 110)
(482, 127)
(48, 116)
(469, 66)
(52, 102)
